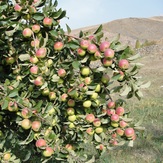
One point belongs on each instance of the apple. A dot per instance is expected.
(27, 32)
(10, 60)
(110, 112)
(92, 48)
(114, 118)
(70, 111)
(6, 156)
(72, 118)
(119, 111)
(98, 88)
(64, 97)
(90, 118)
(36, 125)
(107, 62)
(33, 59)
(123, 64)
(17, 7)
(87, 104)
(71, 125)
(39, 81)
(40, 143)
(52, 111)
(71, 103)
(49, 63)
(129, 132)
(18, 78)
(105, 79)
(123, 124)
(41, 53)
(12, 106)
(121, 78)
(61, 73)
(97, 55)
(84, 44)
(97, 122)
(114, 135)
(16, 71)
(35, 43)
(32, 9)
(119, 131)
(45, 92)
(87, 80)
(34, 70)
(69, 147)
(109, 54)
(111, 105)
(114, 124)
(90, 131)
(99, 130)
(52, 96)
(36, 28)
(94, 96)
(47, 22)
(26, 124)
(104, 45)
(101, 147)
(85, 71)
(81, 52)
(25, 113)
(114, 142)
(58, 46)
(48, 152)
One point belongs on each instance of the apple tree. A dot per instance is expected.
(62, 97)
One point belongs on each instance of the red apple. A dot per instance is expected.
(104, 45)
(97, 122)
(17, 7)
(109, 53)
(58, 46)
(39, 81)
(119, 131)
(107, 62)
(87, 80)
(92, 48)
(48, 152)
(27, 32)
(71, 103)
(111, 105)
(114, 118)
(70, 111)
(12, 106)
(61, 73)
(85, 71)
(25, 113)
(36, 28)
(110, 112)
(64, 97)
(26, 124)
(120, 111)
(52, 95)
(35, 43)
(101, 147)
(81, 52)
(123, 124)
(69, 147)
(36, 125)
(90, 131)
(33, 59)
(32, 9)
(97, 55)
(105, 79)
(123, 64)
(41, 53)
(47, 22)
(129, 132)
(84, 44)
(40, 143)
(90, 118)
(34, 70)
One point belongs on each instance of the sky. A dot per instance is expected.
(84, 13)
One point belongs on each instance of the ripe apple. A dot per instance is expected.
(90, 118)
(26, 124)
(84, 44)
(32, 9)
(52, 96)
(110, 112)
(48, 152)
(36, 125)
(17, 7)
(97, 55)
(36, 28)
(114, 118)
(87, 80)
(101, 147)
(123, 124)
(98, 88)
(7, 156)
(64, 97)
(129, 132)
(40, 143)
(104, 45)
(12, 106)
(81, 52)
(105, 79)
(61, 73)
(97, 122)
(70, 111)
(99, 130)
(58, 46)
(114, 135)
(119, 111)
(69, 147)
(109, 53)
(35, 43)
(25, 113)
(39, 81)
(72, 118)
(87, 104)
(10, 60)
(71, 103)
(121, 78)
(114, 142)
(41, 53)
(107, 62)
(85, 71)
(111, 105)
(92, 48)
(90, 131)
(114, 124)
(47, 22)
(119, 131)
(33, 59)
(123, 64)
(34, 70)
(27, 32)
(94, 96)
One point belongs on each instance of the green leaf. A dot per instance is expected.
(146, 85)
(139, 94)
(13, 93)
(134, 57)
(29, 138)
(81, 34)
(5, 104)
(131, 143)
(99, 29)
(116, 39)
(55, 78)
(38, 16)
(27, 156)
(92, 160)
(63, 14)
(54, 33)
(101, 69)
(68, 29)
(97, 138)
(76, 64)
(24, 57)
(120, 47)
(126, 91)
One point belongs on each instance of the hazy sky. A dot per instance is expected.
(84, 13)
